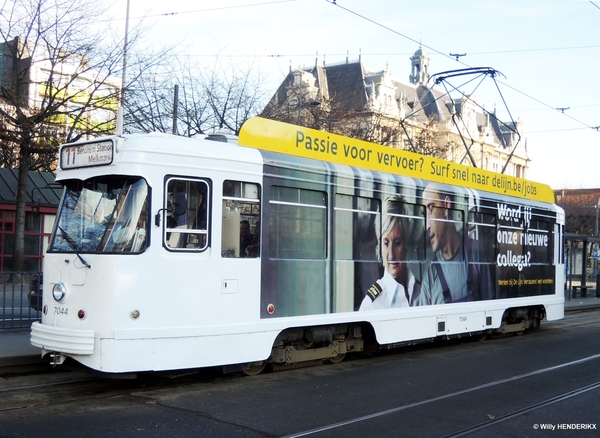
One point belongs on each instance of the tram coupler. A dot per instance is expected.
(56, 359)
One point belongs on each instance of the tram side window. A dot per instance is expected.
(355, 219)
(537, 243)
(240, 219)
(406, 222)
(482, 234)
(297, 223)
(187, 205)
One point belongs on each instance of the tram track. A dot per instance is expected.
(45, 385)
(550, 401)
(36, 395)
(480, 426)
(574, 320)
(34, 391)
(65, 391)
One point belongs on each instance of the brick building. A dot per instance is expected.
(42, 205)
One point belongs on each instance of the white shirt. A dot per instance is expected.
(392, 294)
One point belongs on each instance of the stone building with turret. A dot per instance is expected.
(348, 99)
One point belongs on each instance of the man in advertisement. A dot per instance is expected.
(456, 272)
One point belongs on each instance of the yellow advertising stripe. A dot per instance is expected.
(304, 142)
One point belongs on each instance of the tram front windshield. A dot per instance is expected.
(106, 214)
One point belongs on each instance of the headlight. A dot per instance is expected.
(59, 291)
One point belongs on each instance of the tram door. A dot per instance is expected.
(239, 267)
(295, 265)
(213, 271)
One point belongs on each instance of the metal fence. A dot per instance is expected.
(20, 299)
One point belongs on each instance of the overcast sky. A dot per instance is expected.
(548, 52)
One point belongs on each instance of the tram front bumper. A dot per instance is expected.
(62, 340)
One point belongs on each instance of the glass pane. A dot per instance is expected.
(312, 198)
(107, 214)
(297, 231)
(401, 233)
(187, 205)
(32, 245)
(33, 222)
(354, 228)
(537, 243)
(9, 244)
(241, 230)
(240, 190)
(298, 196)
(482, 235)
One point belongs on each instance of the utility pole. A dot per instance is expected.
(597, 207)
(175, 108)
(123, 77)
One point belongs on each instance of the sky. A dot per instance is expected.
(546, 51)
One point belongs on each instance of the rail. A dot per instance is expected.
(20, 299)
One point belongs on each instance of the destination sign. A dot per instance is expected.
(87, 155)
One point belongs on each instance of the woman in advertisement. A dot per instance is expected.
(398, 287)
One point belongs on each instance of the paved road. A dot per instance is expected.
(513, 386)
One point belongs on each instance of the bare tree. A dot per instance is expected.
(210, 99)
(580, 210)
(428, 137)
(335, 115)
(57, 84)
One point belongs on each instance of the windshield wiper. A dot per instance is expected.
(74, 246)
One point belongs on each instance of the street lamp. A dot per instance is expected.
(597, 207)
(306, 104)
(298, 76)
(119, 127)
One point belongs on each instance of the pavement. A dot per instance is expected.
(17, 353)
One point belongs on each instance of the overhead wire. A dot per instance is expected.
(300, 55)
(431, 49)
(195, 11)
(334, 2)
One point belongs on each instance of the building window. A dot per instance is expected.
(35, 239)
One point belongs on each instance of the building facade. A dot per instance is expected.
(350, 100)
(43, 199)
(36, 77)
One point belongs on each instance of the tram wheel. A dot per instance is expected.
(520, 332)
(255, 369)
(337, 359)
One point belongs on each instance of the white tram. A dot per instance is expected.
(294, 245)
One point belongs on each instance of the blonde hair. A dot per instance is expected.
(394, 213)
